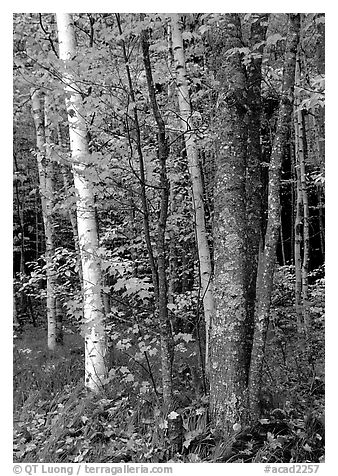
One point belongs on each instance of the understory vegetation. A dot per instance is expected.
(56, 420)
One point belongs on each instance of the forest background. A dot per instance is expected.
(6, 190)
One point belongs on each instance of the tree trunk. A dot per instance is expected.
(297, 245)
(228, 337)
(304, 202)
(271, 238)
(195, 176)
(137, 131)
(50, 191)
(163, 152)
(254, 184)
(320, 60)
(94, 325)
(47, 189)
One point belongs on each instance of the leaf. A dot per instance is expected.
(173, 415)
(273, 39)
(307, 447)
(190, 436)
(186, 35)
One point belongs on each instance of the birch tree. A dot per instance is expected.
(195, 175)
(302, 191)
(40, 109)
(94, 329)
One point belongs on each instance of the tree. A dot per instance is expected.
(302, 218)
(94, 326)
(161, 295)
(186, 118)
(228, 337)
(268, 263)
(41, 115)
(172, 165)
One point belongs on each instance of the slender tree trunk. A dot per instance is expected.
(16, 322)
(163, 152)
(293, 198)
(320, 60)
(37, 234)
(321, 222)
(297, 246)
(254, 184)
(300, 164)
(146, 220)
(195, 176)
(281, 237)
(299, 152)
(172, 247)
(50, 193)
(272, 232)
(94, 325)
(46, 179)
(228, 372)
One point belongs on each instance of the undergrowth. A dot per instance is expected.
(56, 420)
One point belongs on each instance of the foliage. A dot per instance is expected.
(55, 419)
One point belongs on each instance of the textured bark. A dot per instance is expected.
(321, 222)
(173, 264)
(47, 189)
(302, 190)
(195, 176)
(94, 329)
(272, 232)
(228, 345)
(254, 185)
(68, 183)
(320, 60)
(162, 297)
(297, 247)
(56, 338)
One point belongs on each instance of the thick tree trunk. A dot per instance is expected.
(271, 238)
(46, 179)
(228, 372)
(95, 342)
(195, 176)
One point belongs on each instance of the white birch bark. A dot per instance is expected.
(95, 345)
(46, 180)
(195, 176)
(302, 186)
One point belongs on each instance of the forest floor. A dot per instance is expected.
(55, 420)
